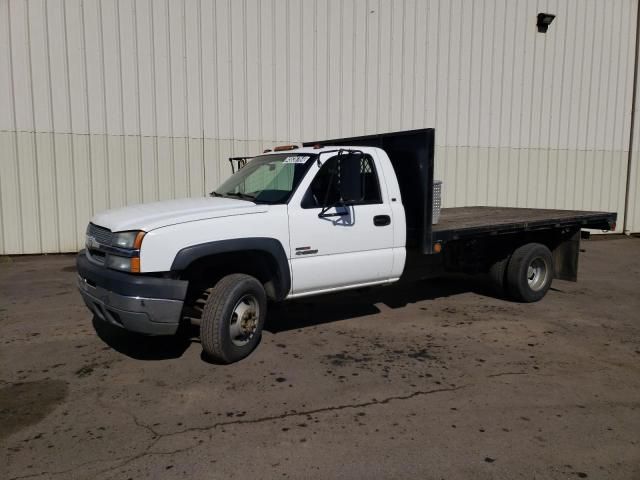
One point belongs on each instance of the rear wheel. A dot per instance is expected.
(232, 318)
(530, 272)
(498, 275)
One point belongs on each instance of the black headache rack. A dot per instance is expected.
(238, 162)
(411, 154)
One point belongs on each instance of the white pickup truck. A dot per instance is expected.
(293, 222)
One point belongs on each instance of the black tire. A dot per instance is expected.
(219, 318)
(522, 284)
(498, 275)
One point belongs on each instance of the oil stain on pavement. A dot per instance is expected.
(25, 404)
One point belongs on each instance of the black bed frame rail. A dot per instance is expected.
(412, 155)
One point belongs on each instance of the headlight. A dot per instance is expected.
(124, 264)
(130, 240)
(126, 241)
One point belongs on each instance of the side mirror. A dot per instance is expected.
(350, 179)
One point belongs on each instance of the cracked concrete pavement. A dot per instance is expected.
(433, 380)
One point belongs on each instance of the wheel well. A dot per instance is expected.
(206, 271)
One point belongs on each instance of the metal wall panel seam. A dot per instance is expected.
(287, 67)
(403, 5)
(33, 113)
(214, 18)
(136, 56)
(53, 178)
(390, 88)
(447, 58)
(245, 72)
(436, 63)
(107, 156)
(15, 134)
(413, 123)
(123, 149)
(232, 127)
(590, 139)
(546, 153)
(377, 122)
(71, 123)
(274, 79)
(154, 96)
(259, 88)
(170, 123)
(301, 62)
(201, 86)
(597, 130)
(340, 72)
(560, 111)
(366, 65)
(315, 62)
(479, 103)
(354, 56)
(86, 90)
(589, 58)
(186, 98)
(617, 83)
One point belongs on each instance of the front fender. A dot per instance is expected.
(271, 246)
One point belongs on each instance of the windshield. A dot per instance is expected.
(267, 178)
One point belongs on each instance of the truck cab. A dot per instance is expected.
(283, 220)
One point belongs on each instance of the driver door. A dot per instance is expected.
(346, 245)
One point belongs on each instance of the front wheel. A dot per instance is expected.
(232, 318)
(530, 272)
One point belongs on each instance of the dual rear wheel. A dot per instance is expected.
(526, 274)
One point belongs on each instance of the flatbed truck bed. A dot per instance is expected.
(466, 222)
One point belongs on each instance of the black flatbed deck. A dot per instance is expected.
(464, 222)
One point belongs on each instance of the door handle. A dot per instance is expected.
(381, 220)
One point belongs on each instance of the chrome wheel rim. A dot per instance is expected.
(243, 322)
(537, 273)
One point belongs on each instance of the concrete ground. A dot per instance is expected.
(436, 380)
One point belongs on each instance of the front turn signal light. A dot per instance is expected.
(137, 243)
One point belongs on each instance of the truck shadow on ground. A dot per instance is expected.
(142, 347)
(358, 303)
(300, 314)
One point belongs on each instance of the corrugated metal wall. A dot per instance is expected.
(107, 103)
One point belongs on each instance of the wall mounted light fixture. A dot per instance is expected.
(544, 20)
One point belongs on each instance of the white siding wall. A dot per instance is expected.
(107, 103)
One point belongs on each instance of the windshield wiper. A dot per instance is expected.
(243, 196)
(215, 194)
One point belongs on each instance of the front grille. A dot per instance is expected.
(101, 234)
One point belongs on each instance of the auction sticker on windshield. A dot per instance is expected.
(297, 159)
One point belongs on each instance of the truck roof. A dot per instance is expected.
(317, 150)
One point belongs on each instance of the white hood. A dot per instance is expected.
(149, 216)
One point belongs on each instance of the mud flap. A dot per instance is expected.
(565, 257)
